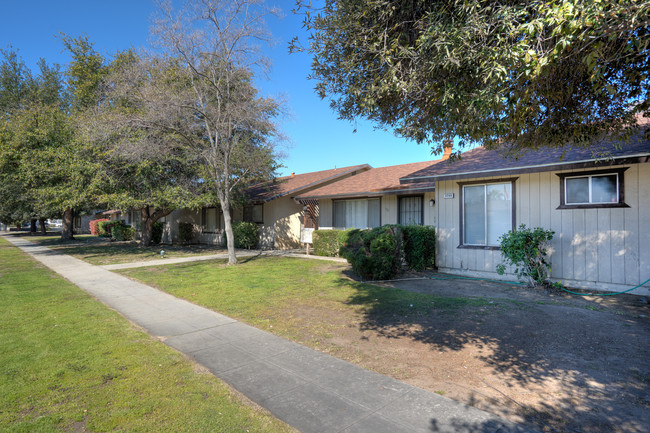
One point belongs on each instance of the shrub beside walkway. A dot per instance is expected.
(309, 390)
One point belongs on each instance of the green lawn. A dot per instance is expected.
(101, 251)
(68, 363)
(275, 293)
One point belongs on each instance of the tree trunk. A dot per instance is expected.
(68, 222)
(230, 238)
(32, 225)
(147, 227)
(148, 219)
(41, 221)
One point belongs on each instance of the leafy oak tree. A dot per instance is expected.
(211, 45)
(527, 73)
(145, 163)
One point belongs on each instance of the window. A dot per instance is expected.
(411, 210)
(486, 213)
(360, 214)
(254, 213)
(211, 220)
(592, 189)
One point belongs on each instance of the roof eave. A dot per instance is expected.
(619, 160)
(327, 179)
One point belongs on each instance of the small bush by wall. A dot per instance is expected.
(375, 254)
(526, 249)
(186, 232)
(157, 232)
(94, 229)
(122, 232)
(329, 242)
(246, 234)
(419, 247)
(104, 229)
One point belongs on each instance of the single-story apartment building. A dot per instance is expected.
(596, 199)
(372, 199)
(271, 205)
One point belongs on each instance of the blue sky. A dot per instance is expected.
(317, 139)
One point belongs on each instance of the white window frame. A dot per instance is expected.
(366, 199)
(204, 220)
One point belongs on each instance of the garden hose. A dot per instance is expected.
(454, 277)
(606, 294)
(457, 277)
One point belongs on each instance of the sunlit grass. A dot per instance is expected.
(269, 292)
(68, 363)
(101, 251)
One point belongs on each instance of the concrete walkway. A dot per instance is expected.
(240, 254)
(313, 392)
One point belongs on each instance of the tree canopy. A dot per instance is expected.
(527, 73)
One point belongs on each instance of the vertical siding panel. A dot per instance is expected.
(591, 244)
(618, 245)
(447, 224)
(566, 236)
(453, 220)
(535, 199)
(644, 222)
(544, 203)
(604, 246)
(557, 257)
(523, 200)
(579, 256)
(632, 275)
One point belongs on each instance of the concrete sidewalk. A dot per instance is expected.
(309, 390)
(240, 254)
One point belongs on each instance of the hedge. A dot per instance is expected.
(185, 232)
(329, 242)
(375, 254)
(122, 232)
(94, 229)
(380, 253)
(246, 234)
(156, 232)
(419, 247)
(104, 228)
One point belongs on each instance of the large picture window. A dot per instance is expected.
(211, 220)
(486, 213)
(254, 213)
(592, 189)
(411, 210)
(360, 214)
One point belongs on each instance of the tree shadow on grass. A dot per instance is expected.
(601, 360)
(102, 250)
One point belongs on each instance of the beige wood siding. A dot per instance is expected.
(603, 249)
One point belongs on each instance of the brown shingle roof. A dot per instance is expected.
(480, 162)
(376, 181)
(287, 185)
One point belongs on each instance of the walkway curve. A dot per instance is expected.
(312, 391)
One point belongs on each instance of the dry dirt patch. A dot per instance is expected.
(551, 361)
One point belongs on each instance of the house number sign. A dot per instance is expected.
(448, 195)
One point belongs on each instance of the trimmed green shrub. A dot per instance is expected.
(329, 242)
(419, 246)
(186, 232)
(122, 232)
(103, 228)
(246, 234)
(526, 249)
(156, 232)
(94, 229)
(375, 254)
